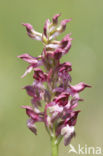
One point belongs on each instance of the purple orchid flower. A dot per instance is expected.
(52, 84)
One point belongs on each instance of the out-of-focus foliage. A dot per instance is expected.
(87, 60)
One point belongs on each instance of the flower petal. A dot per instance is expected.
(63, 24)
(32, 33)
(66, 66)
(46, 27)
(62, 99)
(71, 121)
(39, 75)
(66, 44)
(37, 117)
(28, 58)
(57, 31)
(57, 54)
(28, 70)
(79, 87)
(55, 19)
(30, 90)
(33, 61)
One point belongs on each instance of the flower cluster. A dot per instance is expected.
(53, 98)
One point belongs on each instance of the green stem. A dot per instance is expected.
(54, 146)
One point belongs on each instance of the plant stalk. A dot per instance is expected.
(54, 146)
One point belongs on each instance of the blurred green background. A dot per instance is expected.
(86, 56)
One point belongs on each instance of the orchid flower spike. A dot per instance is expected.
(51, 88)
